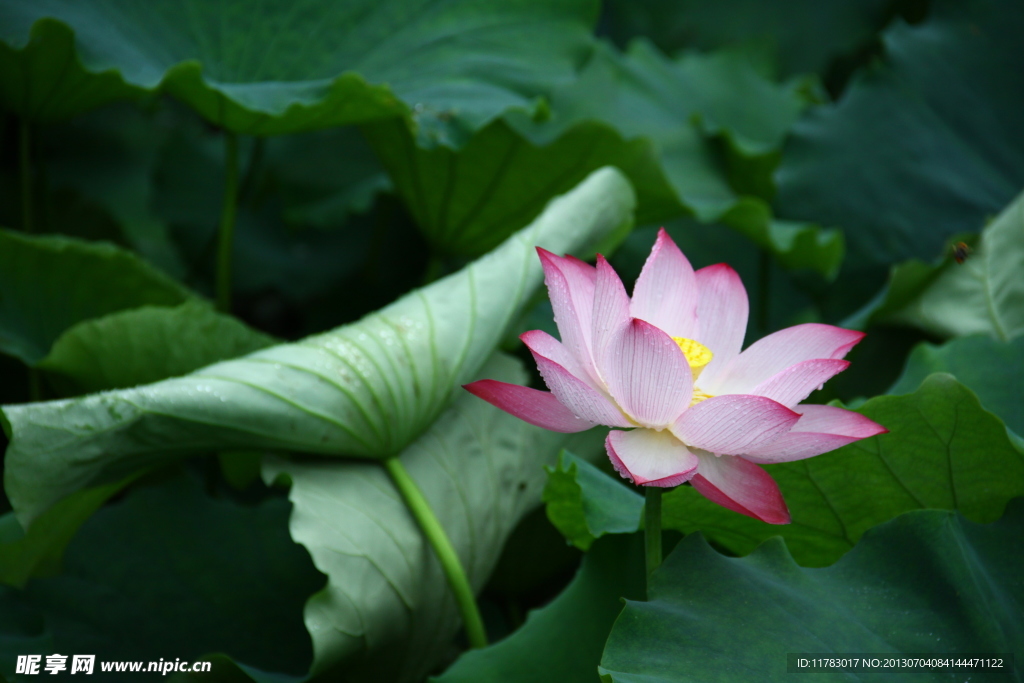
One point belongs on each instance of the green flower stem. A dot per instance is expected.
(438, 539)
(25, 161)
(227, 221)
(652, 530)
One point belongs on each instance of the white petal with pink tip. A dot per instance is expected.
(647, 374)
(650, 458)
(722, 311)
(778, 351)
(821, 429)
(741, 486)
(665, 294)
(571, 289)
(611, 307)
(579, 397)
(734, 423)
(796, 382)
(539, 408)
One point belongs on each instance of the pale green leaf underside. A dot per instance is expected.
(363, 390)
(982, 295)
(295, 65)
(992, 369)
(481, 471)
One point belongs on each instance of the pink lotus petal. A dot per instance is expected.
(740, 486)
(778, 351)
(734, 423)
(665, 294)
(821, 429)
(722, 312)
(611, 307)
(539, 408)
(650, 458)
(578, 396)
(647, 374)
(570, 285)
(796, 382)
(540, 342)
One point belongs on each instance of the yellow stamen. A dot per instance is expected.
(698, 396)
(697, 355)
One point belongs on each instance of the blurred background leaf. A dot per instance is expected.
(540, 651)
(203, 575)
(910, 586)
(293, 67)
(943, 451)
(994, 370)
(798, 36)
(922, 146)
(145, 345)
(47, 284)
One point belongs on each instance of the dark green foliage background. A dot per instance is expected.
(830, 152)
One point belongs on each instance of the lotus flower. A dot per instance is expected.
(665, 369)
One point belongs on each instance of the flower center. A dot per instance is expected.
(697, 355)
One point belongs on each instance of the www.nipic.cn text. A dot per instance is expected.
(87, 664)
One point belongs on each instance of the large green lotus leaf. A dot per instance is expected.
(540, 651)
(285, 67)
(170, 572)
(928, 582)
(984, 294)
(584, 503)
(468, 200)
(363, 390)
(943, 450)
(43, 78)
(636, 111)
(801, 35)
(47, 284)
(643, 92)
(676, 105)
(994, 370)
(921, 147)
(145, 345)
(480, 470)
